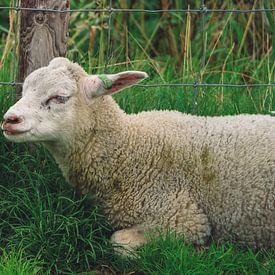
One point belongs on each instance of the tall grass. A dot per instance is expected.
(44, 219)
(230, 48)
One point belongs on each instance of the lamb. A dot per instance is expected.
(202, 177)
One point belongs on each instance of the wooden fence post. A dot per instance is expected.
(43, 35)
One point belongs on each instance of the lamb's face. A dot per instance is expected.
(53, 97)
(46, 110)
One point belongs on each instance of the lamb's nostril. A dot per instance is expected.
(13, 120)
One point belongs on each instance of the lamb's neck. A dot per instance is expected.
(93, 140)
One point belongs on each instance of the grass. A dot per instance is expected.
(168, 255)
(15, 263)
(45, 227)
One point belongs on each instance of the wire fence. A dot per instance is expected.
(202, 11)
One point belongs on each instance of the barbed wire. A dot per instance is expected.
(110, 10)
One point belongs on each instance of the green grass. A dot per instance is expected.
(15, 263)
(169, 255)
(45, 225)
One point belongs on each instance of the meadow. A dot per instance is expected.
(45, 227)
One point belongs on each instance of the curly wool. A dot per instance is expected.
(199, 176)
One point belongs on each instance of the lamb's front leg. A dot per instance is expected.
(129, 239)
(180, 214)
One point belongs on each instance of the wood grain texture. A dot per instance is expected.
(43, 35)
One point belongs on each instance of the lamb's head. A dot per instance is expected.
(54, 95)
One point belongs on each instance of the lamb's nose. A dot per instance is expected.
(12, 119)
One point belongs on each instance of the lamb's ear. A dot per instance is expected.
(59, 62)
(107, 84)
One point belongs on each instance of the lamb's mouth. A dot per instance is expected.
(14, 132)
(10, 129)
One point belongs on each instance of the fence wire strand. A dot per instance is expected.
(110, 10)
(194, 85)
(17, 8)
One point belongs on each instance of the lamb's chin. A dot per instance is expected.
(18, 137)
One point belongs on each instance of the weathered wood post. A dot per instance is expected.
(43, 35)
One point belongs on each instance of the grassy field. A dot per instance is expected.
(45, 227)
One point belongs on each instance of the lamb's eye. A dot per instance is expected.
(60, 99)
(57, 99)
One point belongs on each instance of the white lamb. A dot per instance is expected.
(198, 176)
